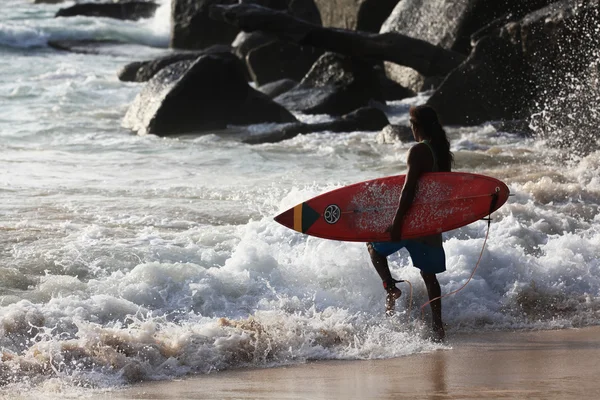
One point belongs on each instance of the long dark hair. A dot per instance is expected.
(426, 119)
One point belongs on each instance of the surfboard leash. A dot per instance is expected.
(493, 203)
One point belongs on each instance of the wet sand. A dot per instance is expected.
(561, 364)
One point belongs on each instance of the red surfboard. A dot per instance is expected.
(363, 211)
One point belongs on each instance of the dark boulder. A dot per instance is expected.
(523, 65)
(364, 15)
(305, 10)
(244, 42)
(195, 96)
(193, 29)
(335, 85)
(274, 89)
(142, 71)
(373, 13)
(517, 127)
(279, 60)
(395, 133)
(390, 89)
(448, 24)
(560, 47)
(269, 59)
(124, 10)
(363, 119)
(490, 85)
(428, 59)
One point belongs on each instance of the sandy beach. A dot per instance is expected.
(559, 364)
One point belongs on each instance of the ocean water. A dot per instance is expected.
(127, 258)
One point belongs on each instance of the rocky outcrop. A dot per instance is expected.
(363, 119)
(560, 47)
(448, 24)
(124, 10)
(335, 85)
(276, 88)
(395, 133)
(193, 29)
(428, 59)
(278, 60)
(365, 15)
(305, 10)
(142, 71)
(195, 96)
(489, 85)
(244, 42)
(521, 64)
(269, 59)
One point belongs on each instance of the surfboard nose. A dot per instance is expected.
(299, 218)
(286, 218)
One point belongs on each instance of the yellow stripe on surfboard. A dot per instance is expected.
(298, 217)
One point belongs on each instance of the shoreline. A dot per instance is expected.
(556, 364)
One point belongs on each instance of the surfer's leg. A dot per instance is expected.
(434, 291)
(381, 266)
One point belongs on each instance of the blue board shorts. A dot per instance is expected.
(430, 259)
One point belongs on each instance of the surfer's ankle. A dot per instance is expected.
(438, 334)
(390, 300)
(390, 286)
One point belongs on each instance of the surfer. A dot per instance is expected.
(431, 154)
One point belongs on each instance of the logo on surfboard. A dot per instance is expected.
(332, 214)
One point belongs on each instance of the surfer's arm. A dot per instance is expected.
(417, 157)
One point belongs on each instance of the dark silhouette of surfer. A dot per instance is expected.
(431, 154)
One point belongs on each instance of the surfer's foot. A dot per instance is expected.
(390, 300)
(438, 334)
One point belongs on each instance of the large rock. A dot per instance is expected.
(305, 10)
(449, 24)
(363, 119)
(394, 133)
(196, 96)
(428, 59)
(509, 73)
(124, 9)
(269, 59)
(367, 15)
(276, 88)
(193, 29)
(245, 42)
(335, 85)
(490, 85)
(142, 71)
(560, 48)
(278, 60)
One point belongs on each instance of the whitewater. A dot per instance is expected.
(126, 258)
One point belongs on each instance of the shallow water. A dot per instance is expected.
(127, 258)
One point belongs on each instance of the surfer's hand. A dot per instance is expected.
(394, 232)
